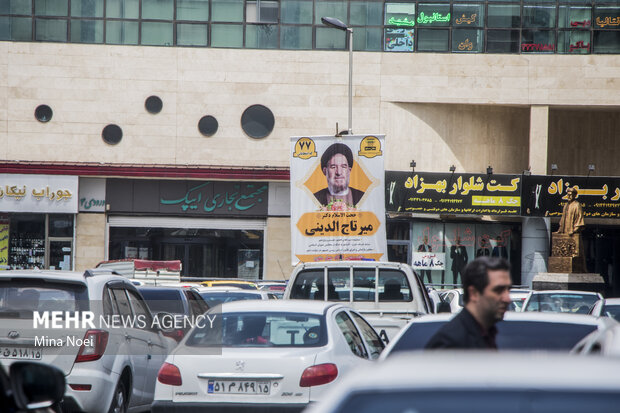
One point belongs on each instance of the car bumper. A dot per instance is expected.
(95, 400)
(160, 406)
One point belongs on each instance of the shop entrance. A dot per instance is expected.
(602, 249)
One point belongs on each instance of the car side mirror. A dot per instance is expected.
(444, 307)
(36, 385)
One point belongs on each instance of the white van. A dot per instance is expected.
(388, 294)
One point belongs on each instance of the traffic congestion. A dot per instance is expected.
(347, 336)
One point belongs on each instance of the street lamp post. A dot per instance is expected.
(337, 24)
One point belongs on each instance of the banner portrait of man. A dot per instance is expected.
(336, 164)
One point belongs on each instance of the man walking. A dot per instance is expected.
(458, 254)
(486, 287)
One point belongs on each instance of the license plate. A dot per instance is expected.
(20, 353)
(238, 387)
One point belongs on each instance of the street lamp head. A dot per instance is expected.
(334, 22)
(489, 170)
(452, 168)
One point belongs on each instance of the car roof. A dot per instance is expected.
(293, 306)
(611, 301)
(322, 264)
(569, 292)
(47, 274)
(203, 289)
(523, 316)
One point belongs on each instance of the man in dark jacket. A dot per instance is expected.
(486, 294)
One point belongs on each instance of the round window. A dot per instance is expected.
(257, 121)
(207, 125)
(112, 134)
(153, 104)
(43, 113)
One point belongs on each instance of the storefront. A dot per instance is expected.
(216, 228)
(37, 221)
(438, 222)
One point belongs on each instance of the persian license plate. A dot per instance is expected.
(20, 353)
(238, 387)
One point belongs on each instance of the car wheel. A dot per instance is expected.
(119, 400)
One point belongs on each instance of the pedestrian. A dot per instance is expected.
(486, 287)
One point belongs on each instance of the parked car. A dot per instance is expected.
(479, 382)
(112, 368)
(388, 294)
(454, 298)
(178, 301)
(275, 287)
(605, 342)
(231, 282)
(218, 295)
(560, 301)
(281, 354)
(608, 307)
(517, 296)
(518, 331)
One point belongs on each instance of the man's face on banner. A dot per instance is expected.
(337, 172)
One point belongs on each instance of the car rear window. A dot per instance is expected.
(561, 303)
(261, 329)
(19, 298)
(214, 299)
(163, 300)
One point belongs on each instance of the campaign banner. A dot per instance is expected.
(450, 193)
(429, 261)
(545, 195)
(337, 198)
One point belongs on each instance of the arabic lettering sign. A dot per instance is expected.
(92, 195)
(429, 261)
(337, 198)
(399, 40)
(198, 198)
(546, 195)
(446, 193)
(38, 193)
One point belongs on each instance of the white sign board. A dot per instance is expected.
(38, 193)
(92, 195)
(338, 198)
(429, 261)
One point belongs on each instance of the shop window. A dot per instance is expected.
(572, 17)
(261, 36)
(467, 15)
(503, 41)
(226, 35)
(504, 16)
(16, 28)
(51, 7)
(574, 42)
(399, 40)
(227, 11)
(539, 16)
(399, 14)
(196, 10)
(257, 121)
(27, 241)
(296, 11)
(398, 230)
(398, 253)
(296, 37)
(16, 7)
(86, 31)
(156, 34)
(464, 41)
(122, 9)
(86, 8)
(192, 34)
(606, 17)
(60, 255)
(61, 226)
(433, 40)
(261, 11)
(157, 9)
(121, 32)
(606, 41)
(328, 38)
(537, 41)
(337, 9)
(433, 15)
(366, 13)
(367, 38)
(50, 30)
(208, 125)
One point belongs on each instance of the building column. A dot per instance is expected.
(89, 240)
(539, 139)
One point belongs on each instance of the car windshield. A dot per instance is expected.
(612, 311)
(261, 329)
(19, 298)
(163, 300)
(215, 298)
(480, 401)
(561, 303)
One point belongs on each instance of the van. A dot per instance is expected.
(388, 294)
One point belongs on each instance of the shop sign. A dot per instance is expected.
(189, 198)
(38, 193)
(337, 198)
(447, 193)
(545, 196)
(92, 195)
(429, 261)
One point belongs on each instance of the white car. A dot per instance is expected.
(107, 368)
(454, 298)
(608, 307)
(279, 354)
(481, 382)
(605, 342)
(219, 295)
(517, 296)
(561, 301)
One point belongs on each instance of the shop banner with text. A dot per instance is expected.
(545, 195)
(337, 198)
(38, 193)
(448, 193)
